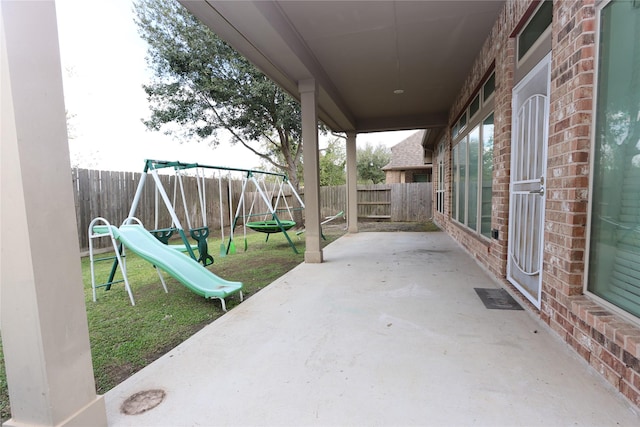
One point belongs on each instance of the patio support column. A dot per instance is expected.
(44, 322)
(352, 184)
(309, 102)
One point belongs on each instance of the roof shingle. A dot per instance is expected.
(408, 154)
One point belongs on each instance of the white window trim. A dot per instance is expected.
(545, 34)
(455, 174)
(600, 4)
(535, 46)
(487, 108)
(440, 190)
(480, 171)
(491, 96)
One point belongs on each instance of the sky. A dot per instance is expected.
(104, 68)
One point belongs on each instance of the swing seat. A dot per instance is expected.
(163, 234)
(200, 235)
(270, 226)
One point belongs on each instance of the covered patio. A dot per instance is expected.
(377, 328)
(44, 330)
(387, 331)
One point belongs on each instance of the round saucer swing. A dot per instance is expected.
(271, 226)
(271, 202)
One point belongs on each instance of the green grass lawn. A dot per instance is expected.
(126, 338)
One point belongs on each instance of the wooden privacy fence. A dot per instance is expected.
(412, 202)
(110, 194)
(392, 202)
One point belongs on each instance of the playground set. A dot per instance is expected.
(154, 245)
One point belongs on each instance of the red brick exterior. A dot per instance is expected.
(606, 340)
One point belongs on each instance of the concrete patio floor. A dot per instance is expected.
(387, 331)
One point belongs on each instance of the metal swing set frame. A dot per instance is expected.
(274, 225)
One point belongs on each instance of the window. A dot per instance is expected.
(460, 124)
(473, 141)
(614, 240)
(474, 106)
(462, 180)
(489, 87)
(487, 176)
(463, 122)
(455, 184)
(537, 26)
(421, 177)
(440, 183)
(472, 160)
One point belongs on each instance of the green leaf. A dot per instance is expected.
(201, 85)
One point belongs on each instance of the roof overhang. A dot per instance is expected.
(360, 52)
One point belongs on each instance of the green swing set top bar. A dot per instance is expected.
(161, 164)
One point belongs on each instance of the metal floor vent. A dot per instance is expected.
(497, 299)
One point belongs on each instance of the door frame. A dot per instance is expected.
(535, 72)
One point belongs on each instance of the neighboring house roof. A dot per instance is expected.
(408, 154)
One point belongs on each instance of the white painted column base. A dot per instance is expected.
(86, 416)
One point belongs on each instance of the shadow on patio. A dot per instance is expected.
(388, 331)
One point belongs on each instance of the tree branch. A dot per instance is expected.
(237, 137)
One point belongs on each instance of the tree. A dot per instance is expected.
(332, 163)
(370, 162)
(201, 85)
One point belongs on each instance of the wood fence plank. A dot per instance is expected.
(81, 181)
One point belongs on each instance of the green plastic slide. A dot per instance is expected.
(189, 272)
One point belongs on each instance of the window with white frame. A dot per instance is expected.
(455, 182)
(486, 166)
(472, 162)
(534, 40)
(614, 236)
(440, 194)
(539, 25)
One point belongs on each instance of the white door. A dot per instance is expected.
(528, 174)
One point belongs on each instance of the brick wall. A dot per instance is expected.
(605, 339)
(498, 49)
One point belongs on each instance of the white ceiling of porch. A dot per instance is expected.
(359, 52)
